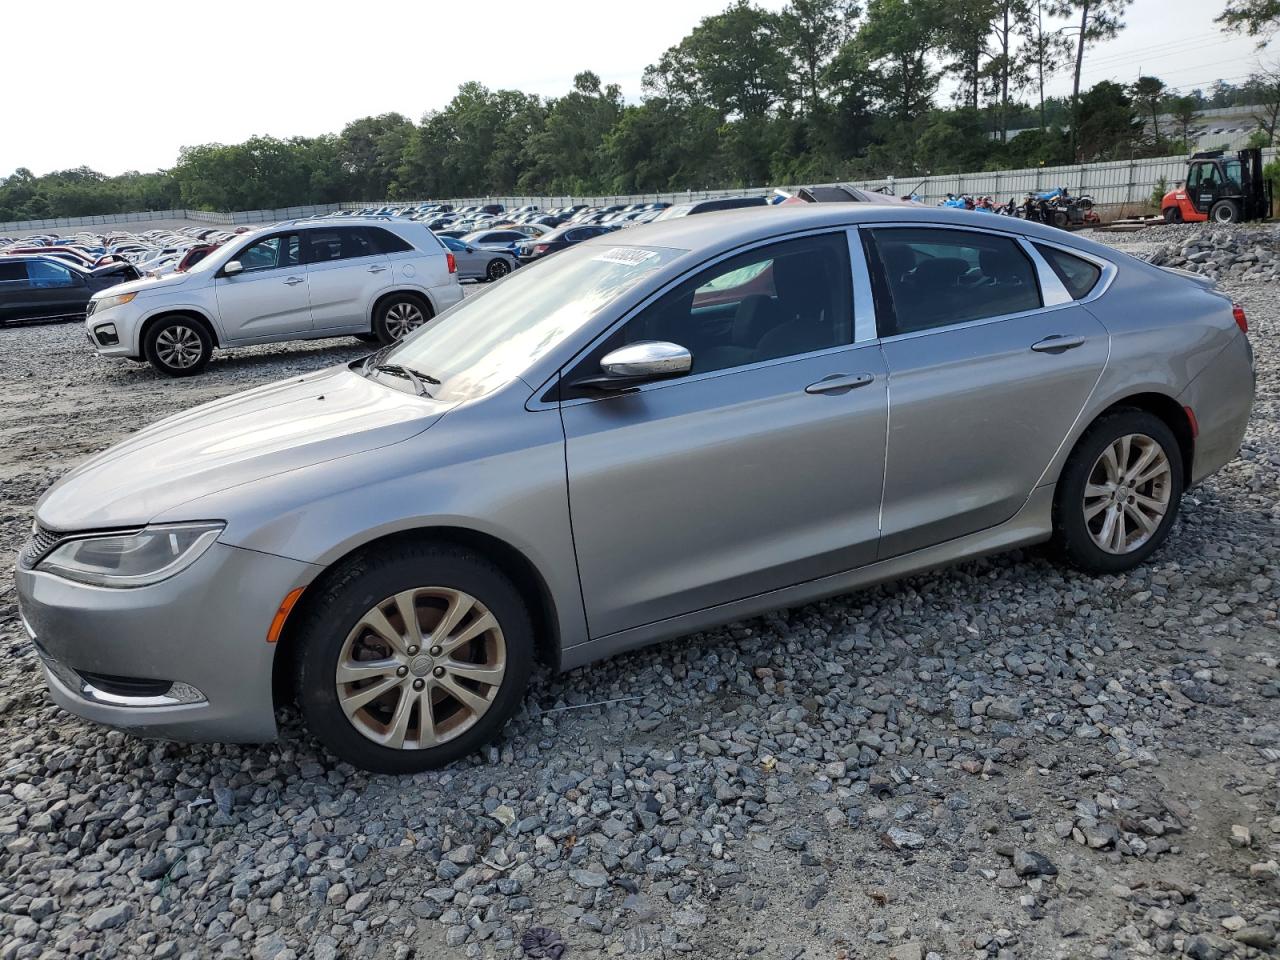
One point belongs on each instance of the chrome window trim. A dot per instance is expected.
(537, 403)
(1053, 292)
(980, 322)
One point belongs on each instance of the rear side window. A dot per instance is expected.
(47, 274)
(936, 278)
(1078, 275)
(13, 271)
(384, 241)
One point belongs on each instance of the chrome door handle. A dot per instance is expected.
(376, 269)
(1056, 344)
(292, 280)
(839, 383)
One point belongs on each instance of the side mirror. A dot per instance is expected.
(232, 267)
(470, 249)
(639, 363)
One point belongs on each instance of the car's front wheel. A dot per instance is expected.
(1119, 492)
(398, 316)
(178, 346)
(413, 658)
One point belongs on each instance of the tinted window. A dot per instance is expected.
(1079, 276)
(384, 241)
(777, 301)
(339, 243)
(13, 271)
(269, 253)
(45, 274)
(934, 278)
(454, 244)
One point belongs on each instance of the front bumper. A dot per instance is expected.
(123, 324)
(203, 630)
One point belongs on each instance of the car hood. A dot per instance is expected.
(259, 433)
(150, 283)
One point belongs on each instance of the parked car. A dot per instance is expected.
(39, 287)
(710, 206)
(476, 263)
(500, 239)
(556, 240)
(298, 280)
(593, 455)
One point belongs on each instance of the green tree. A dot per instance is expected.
(1044, 50)
(370, 151)
(1108, 127)
(1257, 18)
(812, 31)
(1150, 93)
(1185, 114)
(898, 39)
(1098, 20)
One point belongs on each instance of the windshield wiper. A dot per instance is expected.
(418, 379)
(373, 358)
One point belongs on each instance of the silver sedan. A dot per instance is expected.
(638, 438)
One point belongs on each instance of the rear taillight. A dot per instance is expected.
(453, 264)
(1242, 321)
(540, 248)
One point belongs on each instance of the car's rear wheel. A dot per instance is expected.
(1119, 492)
(178, 346)
(400, 315)
(497, 269)
(1225, 211)
(413, 658)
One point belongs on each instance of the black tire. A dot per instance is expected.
(388, 325)
(1071, 531)
(1172, 215)
(352, 590)
(178, 346)
(497, 269)
(1225, 211)
(1060, 219)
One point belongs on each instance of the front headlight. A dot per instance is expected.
(135, 559)
(106, 303)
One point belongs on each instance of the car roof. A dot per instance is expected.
(24, 257)
(722, 230)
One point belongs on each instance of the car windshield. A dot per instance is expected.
(490, 338)
(210, 263)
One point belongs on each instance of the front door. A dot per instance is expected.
(760, 469)
(268, 298)
(1204, 184)
(984, 382)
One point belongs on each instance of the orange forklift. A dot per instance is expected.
(1221, 188)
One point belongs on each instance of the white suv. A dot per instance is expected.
(374, 279)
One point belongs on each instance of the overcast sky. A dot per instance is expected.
(119, 88)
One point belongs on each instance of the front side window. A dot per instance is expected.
(269, 253)
(1078, 275)
(780, 300)
(935, 278)
(45, 274)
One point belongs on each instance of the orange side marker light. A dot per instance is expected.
(277, 622)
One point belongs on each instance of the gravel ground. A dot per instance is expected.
(1004, 760)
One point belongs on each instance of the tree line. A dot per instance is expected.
(821, 90)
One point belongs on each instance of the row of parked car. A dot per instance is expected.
(171, 297)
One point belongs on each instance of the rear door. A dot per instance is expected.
(268, 298)
(345, 272)
(985, 380)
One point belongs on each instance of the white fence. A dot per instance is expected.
(1121, 188)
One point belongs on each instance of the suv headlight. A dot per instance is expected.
(135, 559)
(106, 303)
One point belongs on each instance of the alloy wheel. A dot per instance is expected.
(421, 668)
(498, 269)
(179, 347)
(1127, 494)
(404, 317)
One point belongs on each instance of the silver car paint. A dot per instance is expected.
(496, 465)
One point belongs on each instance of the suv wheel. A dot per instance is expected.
(1119, 492)
(178, 346)
(497, 269)
(413, 658)
(1225, 211)
(398, 316)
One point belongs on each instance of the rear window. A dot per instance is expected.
(1078, 275)
(384, 241)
